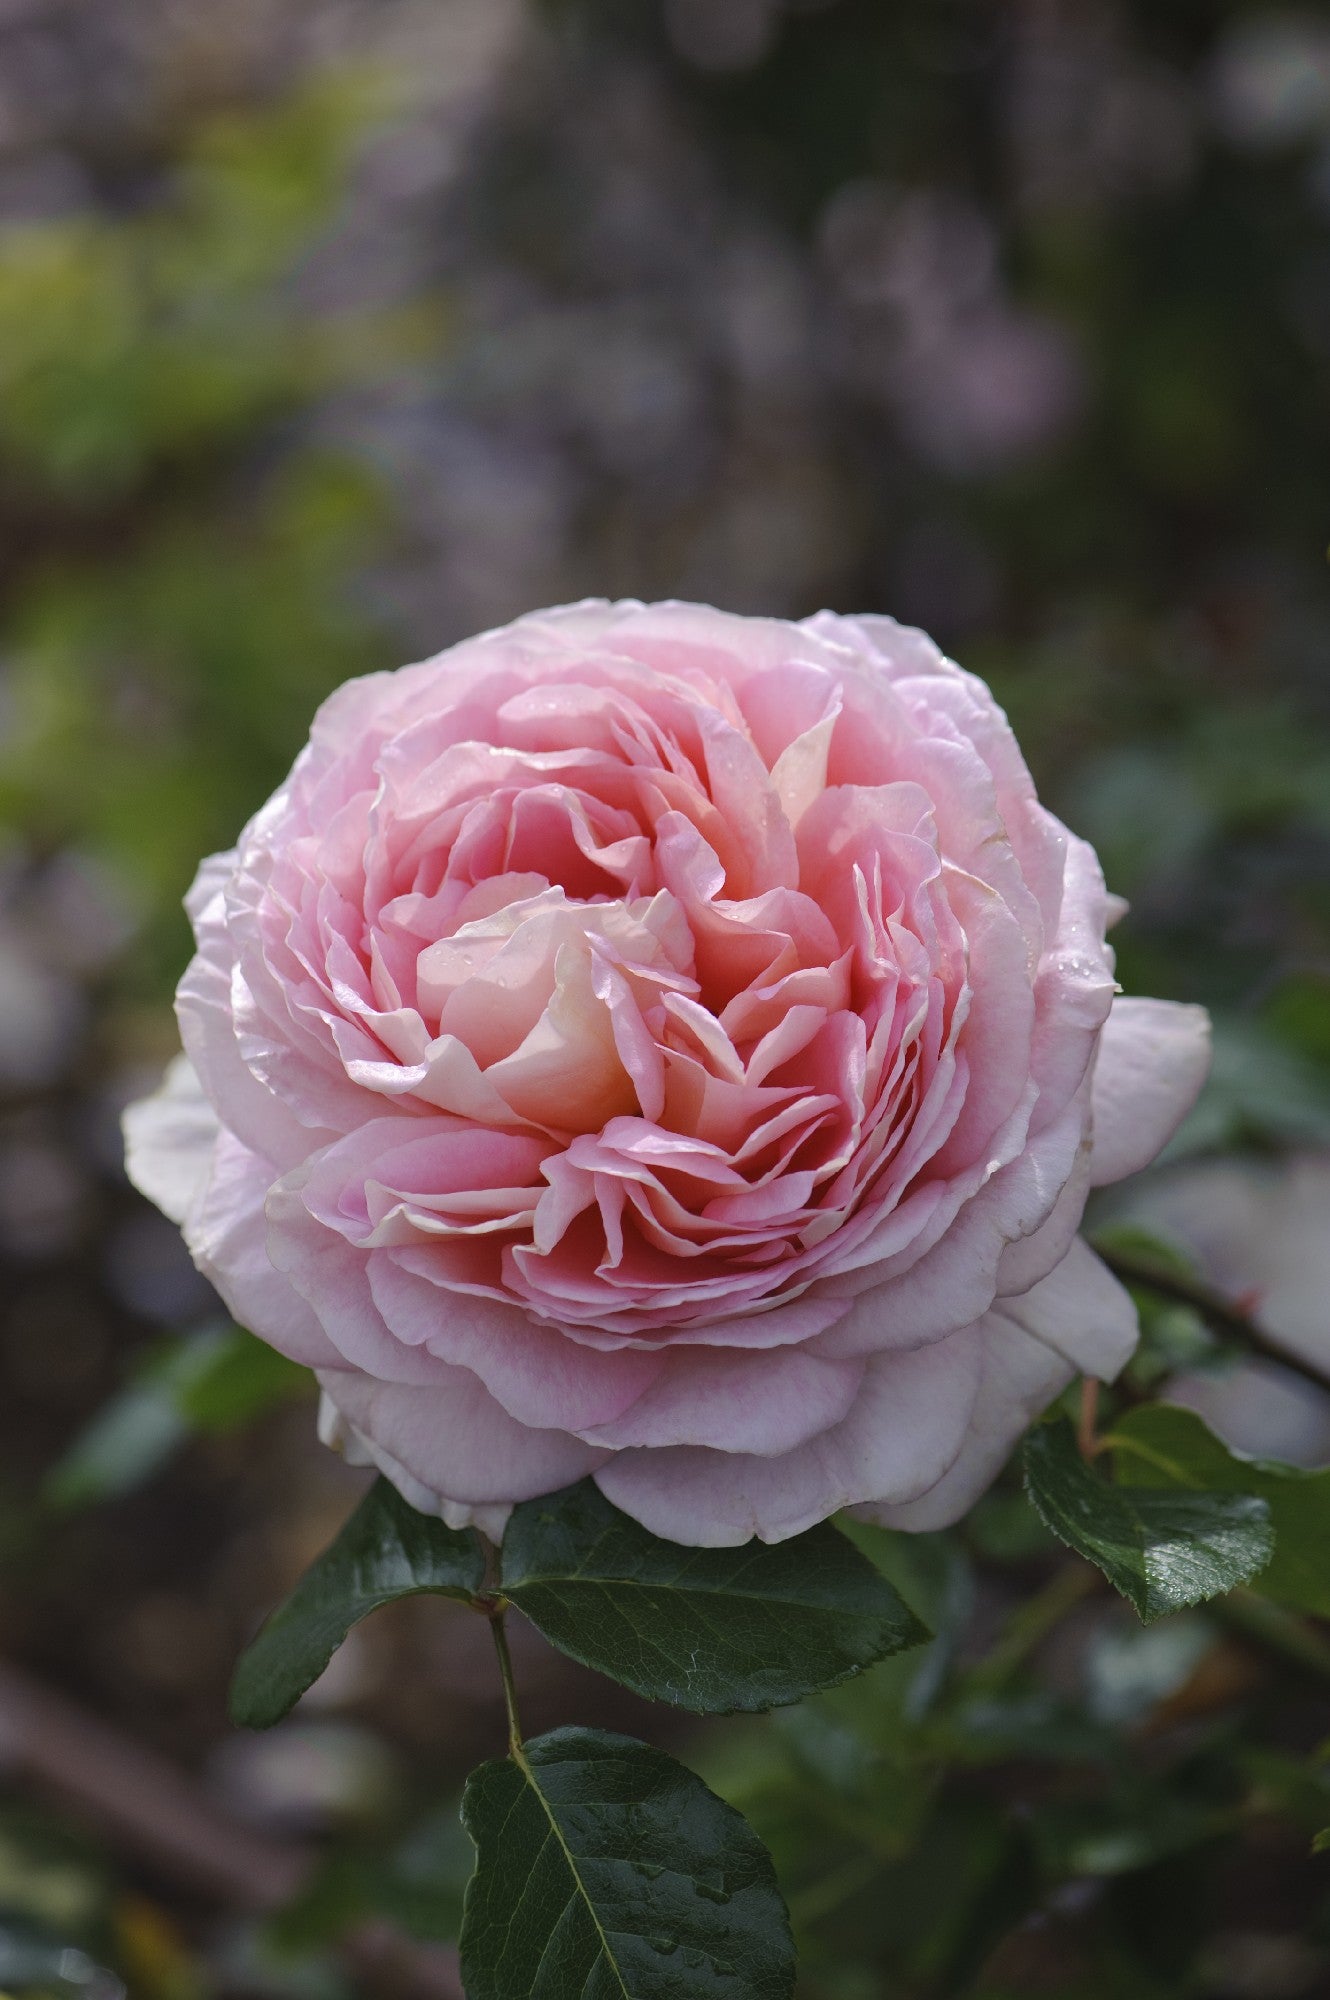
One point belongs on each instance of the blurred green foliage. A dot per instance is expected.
(178, 596)
(204, 1383)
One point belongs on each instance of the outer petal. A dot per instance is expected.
(226, 1233)
(1024, 1262)
(454, 1441)
(1154, 1055)
(204, 1008)
(1077, 1320)
(1020, 1378)
(170, 1139)
(765, 1401)
(1081, 1312)
(339, 1435)
(908, 1423)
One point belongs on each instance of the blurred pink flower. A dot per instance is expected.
(673, 1047)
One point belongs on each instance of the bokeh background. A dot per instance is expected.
(334, 330)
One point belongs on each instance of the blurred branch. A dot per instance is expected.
(150, 1810)
(1137, 1268)
(1255, 1618)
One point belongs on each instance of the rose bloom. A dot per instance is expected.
(672, 1047)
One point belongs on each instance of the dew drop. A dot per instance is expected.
(712, 1891)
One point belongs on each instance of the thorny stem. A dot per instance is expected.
(1134, 1268)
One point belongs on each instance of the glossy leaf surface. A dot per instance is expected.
(386, 1551)
(1161, 1444)
(1161, 1547)
(712, 1630)
(606, 1870)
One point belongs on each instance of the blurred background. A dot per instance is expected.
(334, 330)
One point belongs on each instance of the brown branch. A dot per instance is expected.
(152, 1811)
(1136, 1268)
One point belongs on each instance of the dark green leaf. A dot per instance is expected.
(934, 1573)
(712, 1630)
(1162, 1445)
(385, 1551)
(211, 1381)
(604, 1869)
(1162, 1548)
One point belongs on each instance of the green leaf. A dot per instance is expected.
(385, 1551)
(243, 1377)
(1163, 1445)
(1162, 1548)
(1321, 1844)
(607, 1870)
(212, 1381)
(712, 1630)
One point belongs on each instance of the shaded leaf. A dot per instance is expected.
(1162, 1548)
(1119, 1834)
(385, 1551)
(712, 1630)
(606, 1869)
(1163, 1445)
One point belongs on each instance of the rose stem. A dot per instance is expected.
(1220, 1313)
(509, 1684)
(1270, 1625)
(1032, 1621)
(1085, 1429)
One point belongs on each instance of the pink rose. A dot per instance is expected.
(669, 1046)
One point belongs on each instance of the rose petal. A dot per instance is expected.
(1154, 1056)
(455, 1440)
(766, 1401)
(226, 1232)
(907, 1425)
(170, 1139)
(1077, 1321)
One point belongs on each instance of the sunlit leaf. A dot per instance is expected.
(1161, 1547)
(1163, 1445)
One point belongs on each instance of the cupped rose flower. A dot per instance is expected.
(672, 1047)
